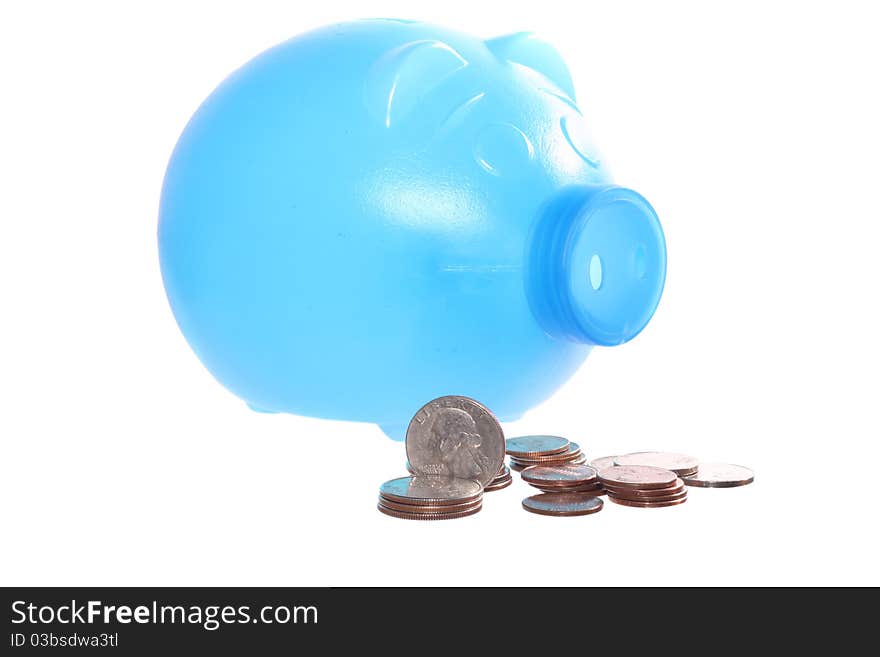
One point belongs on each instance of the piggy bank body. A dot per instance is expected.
(378, 213)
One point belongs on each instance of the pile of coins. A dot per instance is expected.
(455, 452)
(526, 451)
(643, 486)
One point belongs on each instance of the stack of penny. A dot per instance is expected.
(502, 480)
(566, 478)
(526, 451)
(642, 486)
(424, 497)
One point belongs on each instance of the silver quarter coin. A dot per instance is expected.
(455, 437)
(720, 475)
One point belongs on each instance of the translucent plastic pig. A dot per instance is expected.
(378, 213)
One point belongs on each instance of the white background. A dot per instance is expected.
(752, 129)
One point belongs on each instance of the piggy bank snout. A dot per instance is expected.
(598, 266)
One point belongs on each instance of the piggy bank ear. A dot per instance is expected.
(402, 77)
(527, 49)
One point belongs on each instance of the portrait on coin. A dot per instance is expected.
(458, 443)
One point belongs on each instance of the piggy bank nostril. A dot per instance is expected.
(596, 272)
(640, 261)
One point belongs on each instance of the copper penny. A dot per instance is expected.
(428, 516)
(532, 446)
(680, 464)
(562, 504)
(720, 475)
(659, 498)
(559, 475)
(425, 490)
(636, 476)
(619, 491)
(645, 504)
(428, 508)
(628, 495)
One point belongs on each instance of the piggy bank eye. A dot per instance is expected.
(502, 149)
(576, 135)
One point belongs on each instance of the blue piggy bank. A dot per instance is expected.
(382, 212)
